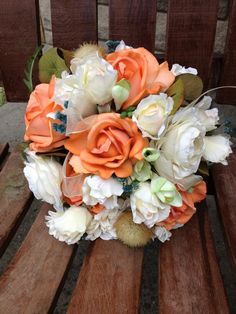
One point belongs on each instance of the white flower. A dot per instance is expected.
(178, 69)
(146, 207)
(105, 192)
(44, 176)
(69, 226)
(162, 234)
(217, 148)
(96, 76)
(151, 114)
(122, 46)
(102, 225)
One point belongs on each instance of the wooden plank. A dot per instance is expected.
(190, 280)
(15, 197)
(109, 280)
(73, 22)
(228, 96)
(19, 37)
(225, 187)
(31, 281)
(191, 29)
(134, 21)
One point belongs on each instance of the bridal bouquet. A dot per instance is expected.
(116, 144)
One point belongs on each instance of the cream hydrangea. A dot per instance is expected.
(105, 192)
(162, 234)
(146, 207)
(44, 176)
(70, 225)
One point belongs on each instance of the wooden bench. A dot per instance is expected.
(192, 273)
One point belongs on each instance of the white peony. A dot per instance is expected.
(178, 69)
(68, 226)
(162, 234)
(105, 192)
(96, 76)
(152, 113)
(102, 225)
(44, 176)
(146, 207)
(217, 148)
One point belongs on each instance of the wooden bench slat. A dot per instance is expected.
(190, 280)
(19, 36)
(15, 197)
(225, 187)
(134, 21)
(73, 22)
(30, 283)
(191, 34)
(228, 96)
(109, 280)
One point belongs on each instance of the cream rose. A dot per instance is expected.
(151, 114)
(96, 76)
(217, 148)
(44, 176)
(146, 207)
(68, 226)
(105, 192)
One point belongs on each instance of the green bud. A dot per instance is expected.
(142, 171)
(120, 93)
(150, 154)
(166, 191)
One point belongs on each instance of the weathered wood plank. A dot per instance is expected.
(191, 34)
(228, 77)
(73, 22)
(31, 281)
(225, 187)
(134, 21)
(15, 197)
(19, 36)
(190, 280)
(109, 280)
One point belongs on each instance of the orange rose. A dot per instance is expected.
(38, 126)
(143, 71)
(108, 145)
(181, 215)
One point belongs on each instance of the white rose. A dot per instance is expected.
(217, 148)
(146, 207)
(69, 226)
(102, 225)
(162, 234)
(178, 69)
(105, 192)
(44, 176)
(151, 114)
(97, 77)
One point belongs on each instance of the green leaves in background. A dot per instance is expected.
(3, 99)
(54, 61)
(176, 91)
(28, 80)
(193, 86)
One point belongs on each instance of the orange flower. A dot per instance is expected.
(181, 215)
(143, 71)
(108, 145)
(38, 126)
(96, 209)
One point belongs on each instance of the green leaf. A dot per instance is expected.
(176, 91)
(193, 86)
(51, 64)
(29, 69)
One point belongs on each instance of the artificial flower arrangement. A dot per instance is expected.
(115, 144)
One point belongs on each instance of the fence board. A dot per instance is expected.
(134, 21)
(191, 34)
(73, 22)
(228, 76)
(19, 36)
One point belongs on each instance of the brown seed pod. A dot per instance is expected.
(130, 233)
